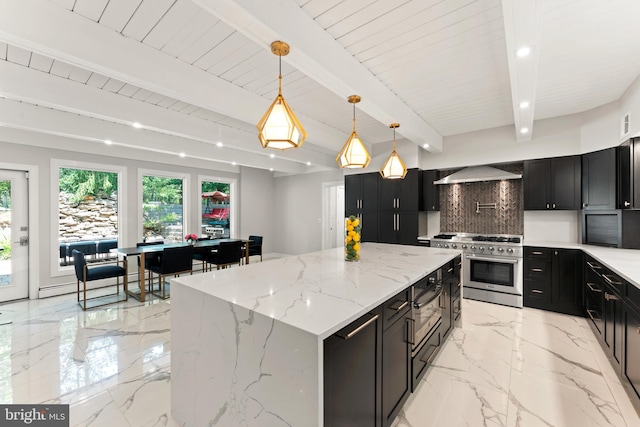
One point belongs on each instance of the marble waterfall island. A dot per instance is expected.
(247, 343)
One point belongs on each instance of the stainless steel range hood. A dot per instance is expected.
(478, 174)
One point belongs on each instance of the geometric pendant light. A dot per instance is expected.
(353, 154)
(279, 128)
(394, 167)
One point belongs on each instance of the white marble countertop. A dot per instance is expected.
(319, 292)
(624, 262)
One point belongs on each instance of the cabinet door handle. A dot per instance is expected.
(590, 313)
(627, 204)
(450, 270)
(398, 305)
(536, 291)
(594, 266)
(398, 203)
(610, 280)
(584, 205)
(547, 205)
(431, 356)
(537, 270)
(610, 297)
(411, 330)
(596, 289)
(359, 328)
(537, 253)
(554, 206)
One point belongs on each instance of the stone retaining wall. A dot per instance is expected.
(92, 219)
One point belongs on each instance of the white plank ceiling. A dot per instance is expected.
(438, 67)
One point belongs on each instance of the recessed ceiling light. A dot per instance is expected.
(524, 130)
(136, 125)
(523, 51)
(219, 144)
(233, 163)
(425, 145)
(182, 155)
(308, 163)
(524, 104)
(272, 155)
(108, 141)
(270, 169)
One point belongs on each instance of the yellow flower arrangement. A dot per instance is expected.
(352, 239)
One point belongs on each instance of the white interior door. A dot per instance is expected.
(332, 215)
(14, 236)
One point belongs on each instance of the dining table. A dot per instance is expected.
(140, 251)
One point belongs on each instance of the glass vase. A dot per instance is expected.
(352, 228)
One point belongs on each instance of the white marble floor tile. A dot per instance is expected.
(501, 367)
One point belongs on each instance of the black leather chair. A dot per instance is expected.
(228, 254)
(101, 270)
(199, 253)
(105, 246)
(255, 246)
(175, 261)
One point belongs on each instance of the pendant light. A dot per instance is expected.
(394, 167)
(279, 127)
(353, 154)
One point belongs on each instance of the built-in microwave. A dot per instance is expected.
(613, 228)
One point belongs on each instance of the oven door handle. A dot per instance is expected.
(417, 305)
(501, 260)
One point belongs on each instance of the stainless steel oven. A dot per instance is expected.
(492, 266)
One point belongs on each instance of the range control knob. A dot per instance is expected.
(454, 246)
(510, 250)
(500, 249)
(482, 248)
(473, 248)
(446, 246)
(490, 248)
(464, 246)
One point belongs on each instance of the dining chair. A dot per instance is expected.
(97, 271)
(199, 253)
(151, 258)
(228, 254)
(175, 261)
(255, 246)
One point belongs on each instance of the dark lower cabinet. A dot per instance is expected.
(613, 324)
(553, 279)
(368, 226)
(631, 367)
(396, 368)
(352, 374)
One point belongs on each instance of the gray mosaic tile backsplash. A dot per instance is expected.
(458, 206)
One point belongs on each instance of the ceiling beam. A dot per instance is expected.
(523, 27)
(42, 26)
(318, 55)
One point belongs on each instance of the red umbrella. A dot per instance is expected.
(218, 195)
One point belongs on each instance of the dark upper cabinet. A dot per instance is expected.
(629, 174)
(552, 183)
(599, 178)
(400, 194)
(430, 191)
(361, 193)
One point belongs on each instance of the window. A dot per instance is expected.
(87, 200)
(218, 206)
(163, 207)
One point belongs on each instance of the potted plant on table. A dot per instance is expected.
(191, 238)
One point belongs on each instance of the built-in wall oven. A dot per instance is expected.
(426, 317)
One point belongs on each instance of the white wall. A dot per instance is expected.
(630, 103)
(41, 157)
(257, 206)
(552, 226)
(298, 211)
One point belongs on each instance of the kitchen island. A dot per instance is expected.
(247, 343)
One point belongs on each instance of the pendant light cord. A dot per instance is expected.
(354, 117)
(279, 74)
(394, 139)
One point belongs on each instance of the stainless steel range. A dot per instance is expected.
(492, 266)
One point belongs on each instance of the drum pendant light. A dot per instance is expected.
(394, 167)
(353, 154)
(279, 127)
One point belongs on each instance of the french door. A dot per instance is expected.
(14, 235)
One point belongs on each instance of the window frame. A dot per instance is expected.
(58, 270)
(185, 197)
